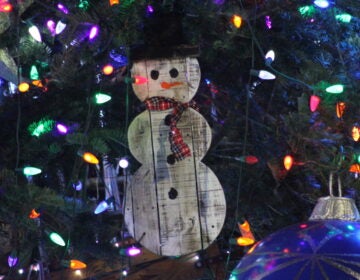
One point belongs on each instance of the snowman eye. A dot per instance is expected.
(173, 73)
(154, 74)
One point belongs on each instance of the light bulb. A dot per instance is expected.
(133, 251)
(108, 69)
(12, 260)
(94, 31)
(340, 109)
(35, 33)
(34, 74)
(30, 171)
(113, 2)
(76, 264)
(288, 162)
(262, 74)
(23, 87)
(322, 3)
(57, 239)
(269, 57)
(60, 27)
(5, 7)
(335, 89)
(314, 102)
(34, 214)
(355, 132)
(345, 18)
(62, 129)
(101, 207)
(50, 24)
(101, 98)
(236, 20)
(62, 8)
(124, 163)
(90, 158)
(244, 241)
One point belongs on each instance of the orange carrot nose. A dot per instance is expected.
(166, 85)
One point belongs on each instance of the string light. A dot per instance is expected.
(5, 7)
(101, 98)
(60, 26)
(56, 239)
(345, 18)
(246, 238)
(62, 8)
(124, 163)
(34, 74)
(61, 128)
(34, 214)
(24, 87)
(103, 205)
(321, 3)
(35, 33)
(340, 109)
(90, 158)
(262, 74)
(355, 132)
(236, 20)
(94, 31)
(336, 89)
(114, 2)
(288, 162)
(269, 57)
(51, 26)
(314, 102)
(76, 264)
(12, 259)
(31, 171)
(108, 69)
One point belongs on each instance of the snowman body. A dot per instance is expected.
(173, 208)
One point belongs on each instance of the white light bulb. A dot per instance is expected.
(269, 57)
(60, 27)
(322, 3)
(124, 163)
(35, 33)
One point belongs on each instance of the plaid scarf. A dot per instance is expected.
(177, 145)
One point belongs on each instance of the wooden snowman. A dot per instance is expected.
(174, 203)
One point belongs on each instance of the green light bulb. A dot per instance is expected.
(30, 171)
(101, 98)
(34, 74)
(41, 127)
(57, 239)
(335, 89)
(345, 18)
(306, 10)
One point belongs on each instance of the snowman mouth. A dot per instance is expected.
(166, 85)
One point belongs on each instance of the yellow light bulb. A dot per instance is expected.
(23, 87)
(236, 20)
(288, 162)
(90, 158)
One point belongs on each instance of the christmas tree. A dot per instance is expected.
(280, 80)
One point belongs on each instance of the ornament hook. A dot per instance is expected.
(331, 185)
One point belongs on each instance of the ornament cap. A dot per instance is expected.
(333, 207)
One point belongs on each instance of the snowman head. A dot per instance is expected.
(175, 78)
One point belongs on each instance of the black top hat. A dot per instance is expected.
(163, 37)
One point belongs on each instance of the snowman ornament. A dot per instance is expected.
(174, 203)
